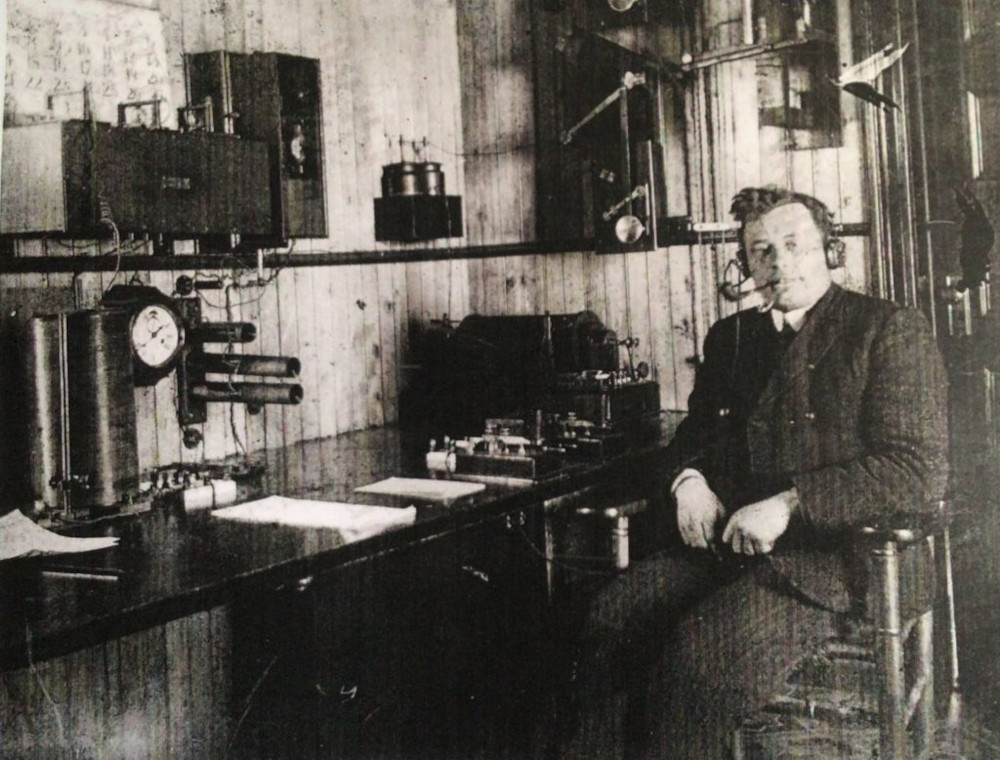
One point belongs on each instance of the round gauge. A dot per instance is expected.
(157, 335)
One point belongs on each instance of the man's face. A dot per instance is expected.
(786, 257)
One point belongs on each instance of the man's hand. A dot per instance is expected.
(698, 512)
(753, 529)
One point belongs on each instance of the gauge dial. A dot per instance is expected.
(157, 336)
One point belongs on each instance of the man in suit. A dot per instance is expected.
(813, 414)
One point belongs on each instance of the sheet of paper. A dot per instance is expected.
(421, 488)
(20, 536)
(354, 521)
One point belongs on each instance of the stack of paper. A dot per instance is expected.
(354, 521)
(20, 536)
(422, 488)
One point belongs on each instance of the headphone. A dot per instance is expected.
(836, 256)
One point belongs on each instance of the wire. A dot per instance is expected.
(249, 702)
(477, 153)
(41, 684)
(117, 252)
(229, 352)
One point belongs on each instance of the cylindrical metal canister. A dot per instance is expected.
(431, 178)
(401, 178)
(104, 460)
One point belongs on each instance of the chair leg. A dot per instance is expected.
(924, 718)
(953, 722)
(889, 655)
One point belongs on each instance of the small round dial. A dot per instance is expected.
(157, 335)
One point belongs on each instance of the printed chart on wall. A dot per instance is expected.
(57, 48)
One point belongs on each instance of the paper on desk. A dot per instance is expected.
(421, 488)
(354, 521)
(20, 536)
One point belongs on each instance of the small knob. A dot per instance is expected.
(192, 438)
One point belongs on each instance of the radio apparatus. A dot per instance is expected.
(538, 391)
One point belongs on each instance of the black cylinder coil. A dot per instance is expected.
(248, 364)
(248, 393)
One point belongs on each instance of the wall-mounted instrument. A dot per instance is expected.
(414, 205)
(167, 334)
(275, 99)
(602, 174)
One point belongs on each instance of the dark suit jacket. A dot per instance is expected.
(854, 415)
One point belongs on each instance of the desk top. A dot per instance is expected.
(170, 563)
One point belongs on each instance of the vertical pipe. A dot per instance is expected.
(925, 206)
(747, 22)
(885, 177)
(908, 263)
(871, 124)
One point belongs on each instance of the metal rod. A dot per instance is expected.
(629, 80)
(741, 52)
(208, 262)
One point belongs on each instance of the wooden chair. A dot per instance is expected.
(870, 695)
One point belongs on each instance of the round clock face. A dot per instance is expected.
(156, 335)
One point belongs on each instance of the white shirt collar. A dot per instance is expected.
(793, 318)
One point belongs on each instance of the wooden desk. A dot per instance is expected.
(212, 623)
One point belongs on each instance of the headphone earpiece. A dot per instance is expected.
(743, 263)
(836, 253)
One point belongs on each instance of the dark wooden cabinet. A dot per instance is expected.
(428, 652)
(274, 98)
(76, 178)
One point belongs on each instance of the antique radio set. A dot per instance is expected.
(531, 392)
(78, 369)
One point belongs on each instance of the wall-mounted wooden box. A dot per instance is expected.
(68, 176)
(274, 98)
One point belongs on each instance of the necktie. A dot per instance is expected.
(785, 337)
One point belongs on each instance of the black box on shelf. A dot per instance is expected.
(410, 218)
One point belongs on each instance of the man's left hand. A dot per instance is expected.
(755, 528)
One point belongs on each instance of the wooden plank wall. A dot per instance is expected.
(667, 298)
(388, 69)
(458, 73)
